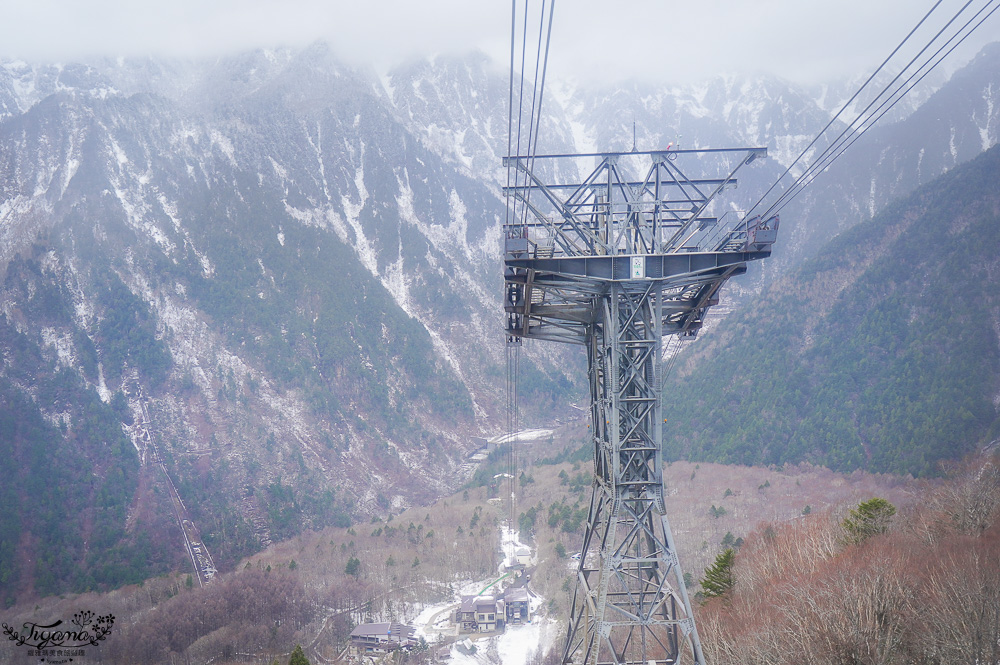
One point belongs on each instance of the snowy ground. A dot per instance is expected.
(514, 647)
(524, 436)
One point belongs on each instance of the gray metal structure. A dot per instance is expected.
(616, 263)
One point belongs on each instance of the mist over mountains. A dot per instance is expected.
(272, 280)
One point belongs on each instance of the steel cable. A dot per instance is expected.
(514, 216)
(886, 99)
(887, 105)
(846, 105)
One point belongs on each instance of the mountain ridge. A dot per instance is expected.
(274, 276)
(877, 354)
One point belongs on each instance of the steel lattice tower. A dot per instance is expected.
(617, 264)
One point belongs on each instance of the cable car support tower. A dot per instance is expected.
(615, 262)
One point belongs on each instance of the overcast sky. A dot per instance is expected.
(803, 40)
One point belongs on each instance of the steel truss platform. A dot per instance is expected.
(616, 263)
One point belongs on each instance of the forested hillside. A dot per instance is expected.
(265, 288)
(881, 354)
(215, 283)
(313, 588)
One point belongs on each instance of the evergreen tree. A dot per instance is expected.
(870, 518)
(298, 658)
(719, 576)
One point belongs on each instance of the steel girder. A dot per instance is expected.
(616, 264)
(630, 603)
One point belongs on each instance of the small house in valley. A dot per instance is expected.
(372, 639)
(480, 614)
(517, 606)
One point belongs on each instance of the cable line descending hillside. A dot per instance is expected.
(614, 261)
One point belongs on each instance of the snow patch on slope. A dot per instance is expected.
(62, 343)
(984, 130)
(352, 212)
(224, 144)
(170, 209)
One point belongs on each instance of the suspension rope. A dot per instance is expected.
(852, 134)
(846, 105)
(536, 121)
(520, 105)
(524, 144)
(909, 85)
(510, 482)
(510, 104)
(527, 144)
(513, 446)
(884, 101)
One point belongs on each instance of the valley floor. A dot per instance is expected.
(414, 566)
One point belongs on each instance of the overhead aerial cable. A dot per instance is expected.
(510, 101)
(521, 141)
(846, 105)
(536, 109)
(526, 137)
(888, 96)
(887, 104)
(509, 483)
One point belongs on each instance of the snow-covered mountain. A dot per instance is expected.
(289, 292)
(268, 284)
(938, 126)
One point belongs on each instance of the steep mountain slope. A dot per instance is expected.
(245, 273)
(458, 106)
(883, 353)
(261, 292)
